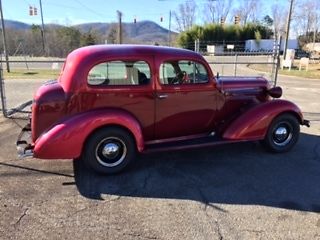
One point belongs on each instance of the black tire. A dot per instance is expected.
(283, 133)
(109, 150)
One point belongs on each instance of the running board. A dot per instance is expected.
(186, 144)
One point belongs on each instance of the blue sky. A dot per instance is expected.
(70, 12)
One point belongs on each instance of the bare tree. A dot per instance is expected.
(215, 10)
(112, 33)
(185, 15)
(279, 20)
(307, 15)
(248, 10)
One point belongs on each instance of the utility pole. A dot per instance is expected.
(4, 39)
(287, 31)
(169, 33)
(314, 32)
(42, 29)
(119, 27)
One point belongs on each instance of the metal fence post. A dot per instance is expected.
(274, 58)
(2, 93)
(277, 64)
(197, 45)
(235, 64)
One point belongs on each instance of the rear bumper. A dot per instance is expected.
(23, 144)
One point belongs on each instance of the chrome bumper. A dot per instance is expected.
(24, 147)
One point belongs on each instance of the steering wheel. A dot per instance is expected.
(181, 78)
(185, 78)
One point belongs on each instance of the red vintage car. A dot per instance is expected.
(112, 102)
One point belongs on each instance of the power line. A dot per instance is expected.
(100, 14)
(27, 2)
(63, 6)
(91, 10)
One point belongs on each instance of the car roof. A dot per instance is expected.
(132, 50)
(82, 59)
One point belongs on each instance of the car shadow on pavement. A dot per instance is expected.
(231, 174)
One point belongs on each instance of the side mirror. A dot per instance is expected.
(275, 92)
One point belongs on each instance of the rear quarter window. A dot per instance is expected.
(119, 73)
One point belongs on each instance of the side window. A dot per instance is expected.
(167, 73)
(117, 73)
(183, 72)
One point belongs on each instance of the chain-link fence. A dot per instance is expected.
(226, 59)
(236, 58)
(26, 75)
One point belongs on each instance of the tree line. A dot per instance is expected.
(59, 40)
(305, 14)
(212, 33)
(305, 19)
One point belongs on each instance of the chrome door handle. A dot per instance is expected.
(162, 96)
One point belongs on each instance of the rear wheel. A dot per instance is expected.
(109, 150)
(282, 134)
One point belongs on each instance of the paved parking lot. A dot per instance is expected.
(228, 192)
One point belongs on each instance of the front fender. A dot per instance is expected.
(66, 139)
(253, 124)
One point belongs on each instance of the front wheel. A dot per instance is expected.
(109, 150)
(283, 133)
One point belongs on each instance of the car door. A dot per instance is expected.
(185, 99)
(124, 83)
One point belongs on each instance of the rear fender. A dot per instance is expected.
(253, 124)
(66, 139)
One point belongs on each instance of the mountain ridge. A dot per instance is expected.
(141, 31)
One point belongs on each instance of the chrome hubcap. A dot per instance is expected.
(111, 151)
(282, 134)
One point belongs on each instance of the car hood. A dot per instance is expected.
(238, 83)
